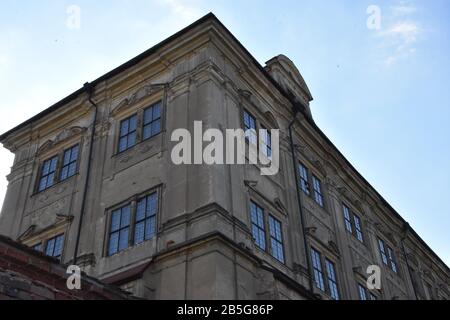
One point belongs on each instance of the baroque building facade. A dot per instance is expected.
(93, 184)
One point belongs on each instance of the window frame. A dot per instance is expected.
(318, 194)
(59, 156)
(133, 202)
(139, 113)
(256, 224)
(153, 120)
(330, 281)
(279, 242)
(55, 239)
(388, 256)
(304, 181)
(76, 162)
(354, 222)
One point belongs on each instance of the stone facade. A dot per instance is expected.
(202, 246)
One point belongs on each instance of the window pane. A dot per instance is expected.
(113, 243)
(115, 220)
(50, 247)
(123, 241)
(139, 233)
(150, 228)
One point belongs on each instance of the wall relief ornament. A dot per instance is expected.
(64, 135)
(137, 96)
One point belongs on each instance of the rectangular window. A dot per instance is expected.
(391, 257)
(145, 225)
(119, 230)
(152, 121)
(48, 172)
(55, 246)
(266, 143)
(250, 128)
(347, 219)
(317, 191)
(332, 282)
(276, 239)
(258, 229)
(317, 267)
(358, 228)
(303, 172)
(362, 292)
(127, 138)
(37, 247)
(382, 251)
(69, 166)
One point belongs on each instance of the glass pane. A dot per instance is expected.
(45, 168)
(152, 205)
(67, 156)
(50, 247)
(147, 132)
(148, 116)
(123, 144)
(133, 123)
(50, 179)
(64, 173)
(113, 243)
(140, 210)
(131, 139)
(53, 164)
(74, 155)
(72, 169)
(139, 233)
(115, 220)
(156, 127)
(43, 184)
(150, 228)
(157, 111)
(124, 128)
(126, 214)
(123, 240)
(58, 246)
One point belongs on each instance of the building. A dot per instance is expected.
(93, 184)
(26, 274)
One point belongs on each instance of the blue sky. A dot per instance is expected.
(381, 95)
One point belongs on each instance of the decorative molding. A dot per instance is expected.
(63, 136)
(137, 96)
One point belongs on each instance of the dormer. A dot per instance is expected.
(284, 71)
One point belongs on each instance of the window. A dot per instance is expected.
(332, 283)
(303, 178)
(387, 255)
(48, 174)
(37, 247)
(276, 239)
(358, 229)
(362, 292)
(258, 230)
(347, 219)
(145, 226)
(353, 224)
(128, 129)
(250, 128)
(274, 236)
(69, 166)
(317, 267)
(392, 260)
(266, 143)
(120, 230)
(133, 223)
(319, 264)
(55, 246)
(317, 191)
(152, 121)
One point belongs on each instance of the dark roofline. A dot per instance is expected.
(150, 51)
(108, 75)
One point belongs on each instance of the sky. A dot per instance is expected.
(379, 72)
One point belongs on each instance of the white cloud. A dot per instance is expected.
(186, 10)
(402, 33)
